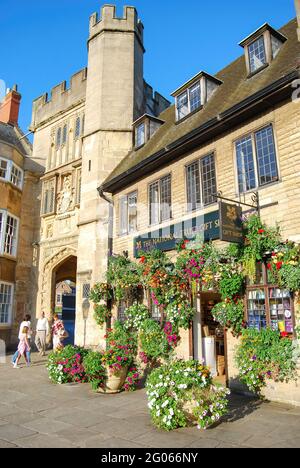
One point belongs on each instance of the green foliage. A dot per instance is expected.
(231, 283)
(180, 315)
(264, 355)
(172, 387)
(101, 314)
(95, 370)
(65, 366)
(123, 276)
(135, 316)
(153, 340)
(230, 314)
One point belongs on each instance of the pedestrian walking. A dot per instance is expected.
(25, 323)
(42, 331)
(59, 333)
(23, 348)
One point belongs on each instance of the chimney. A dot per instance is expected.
(9, 107)
(297, 5)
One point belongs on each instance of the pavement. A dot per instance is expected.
(34, 413)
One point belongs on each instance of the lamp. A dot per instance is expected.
(85, 309)
(85, 315)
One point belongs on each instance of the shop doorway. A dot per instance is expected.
(210, 337)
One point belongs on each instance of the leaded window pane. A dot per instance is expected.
(123, 215)
(154, 203)
(16, 176)
(209, 182)
(132, 212)
(193, 187)
(266, 156)
(65, 134)
(10, 238)
(165, 198)
(77, 127)
(182, 105)
(140, 135)
(6, 298)
(257, 54)
(3, 168)
(195, 97)
(58, 138)
(245, 165)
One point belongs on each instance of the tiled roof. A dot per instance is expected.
(236, 88)
(11, 135)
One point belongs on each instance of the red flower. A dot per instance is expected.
(261, 231)
(143, 259)
(284, 335)
(279, 265)
(269, 266)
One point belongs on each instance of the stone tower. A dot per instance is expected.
(81, 133)
(114, 99)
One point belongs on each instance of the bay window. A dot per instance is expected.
(6, 302)
(256, 160)
(9, 226)
(10, 172)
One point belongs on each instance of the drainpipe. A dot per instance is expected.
(110, 219)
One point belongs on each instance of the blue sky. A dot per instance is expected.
(44, 42)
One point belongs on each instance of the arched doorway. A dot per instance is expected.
(64, 294)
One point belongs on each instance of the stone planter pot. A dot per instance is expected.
(115, 382)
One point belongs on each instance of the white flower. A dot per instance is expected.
(171, 412)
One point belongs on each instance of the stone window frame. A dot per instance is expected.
(79, 126)
(159, 218)
(124, 216)
(9, 322)
(198, 163)
(252, 136)
(78, 183)
(10, 176)
(4, 219)
(45, 183)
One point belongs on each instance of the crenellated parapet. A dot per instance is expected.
(109, 21)
(155, 103)
(60, 100)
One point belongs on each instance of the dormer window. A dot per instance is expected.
(261, 48)
(257, 54)
(144, 129)
(140, 134)
(193, 95)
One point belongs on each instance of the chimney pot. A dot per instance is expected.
(10, 106)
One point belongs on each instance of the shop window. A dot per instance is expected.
(6, 302)
(268, 305)
(256, 160)
(160, 200)
(128, 214)
(201, 183)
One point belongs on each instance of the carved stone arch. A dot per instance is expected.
(48, 278)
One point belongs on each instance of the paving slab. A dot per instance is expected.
(36, 413)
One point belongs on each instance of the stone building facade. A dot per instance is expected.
(240, 138)
(82, 133)
(19, 221)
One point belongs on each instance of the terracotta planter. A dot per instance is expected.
(115, 382)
